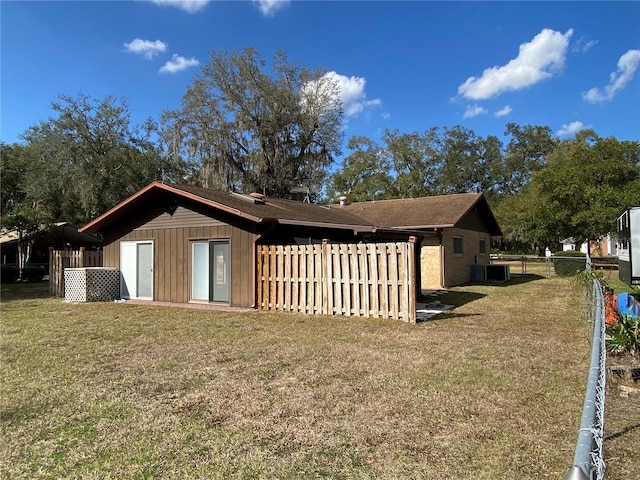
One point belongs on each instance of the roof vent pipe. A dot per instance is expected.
(343, 200)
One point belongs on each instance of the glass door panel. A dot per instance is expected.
(220, 269)
(200, 269)
(210, 271)
(145, 270)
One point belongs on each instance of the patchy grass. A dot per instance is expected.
(491, 389)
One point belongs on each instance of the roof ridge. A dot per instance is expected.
(448, 195)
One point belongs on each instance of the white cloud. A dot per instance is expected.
(269, 7)
(190, 6)
(504, 111)
(474, 111)
(583, 45)
(571, 128)
(537, 60)
(627, 66)
(178, 63)
(351, 93)
(146, 48)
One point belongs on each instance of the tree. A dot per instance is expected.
(587, 184)
(526, 153)
(90, 157)
(27, 220)
(13, 166)
(493, 159)
(414, 159)
(363, 175)
(463, 168)
(249, 129)
(454, 160)
(525, 222)
(19, 214)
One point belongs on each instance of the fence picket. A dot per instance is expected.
(337, 280)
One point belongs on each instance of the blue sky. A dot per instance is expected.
(408, 66)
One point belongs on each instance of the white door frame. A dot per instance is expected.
(130, 269)
(209, 268)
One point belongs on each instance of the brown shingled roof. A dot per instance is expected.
(284, 211)
(424, 212)
(244, 206)
(407, 214)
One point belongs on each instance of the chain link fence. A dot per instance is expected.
(545, 266)
(588, 461)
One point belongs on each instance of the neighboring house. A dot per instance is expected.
(59, 236)
(628, 233)
(604, 247)
(186, 244)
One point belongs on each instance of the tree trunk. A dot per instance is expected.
(24, 253)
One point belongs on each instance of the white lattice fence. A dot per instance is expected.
(91, 284)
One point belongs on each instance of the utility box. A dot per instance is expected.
(628, 245)
(490, 273)
(91, 284)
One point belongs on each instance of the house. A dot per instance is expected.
(186, 244)
(605, 246)
(59, 236)
(628, 234)
(457, 231)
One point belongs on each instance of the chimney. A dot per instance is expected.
(343, 200)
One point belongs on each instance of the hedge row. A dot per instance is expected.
(30, 273)
(568, 267)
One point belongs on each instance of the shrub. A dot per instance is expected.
(567, 267)
(624, 335)
(8, 274)
(586, 278)
(31, 273)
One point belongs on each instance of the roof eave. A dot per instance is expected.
(97, 224)
(425, 227)
(337, 226)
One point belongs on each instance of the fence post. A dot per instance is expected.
(51, 272)
(326, 277)
(411, 280)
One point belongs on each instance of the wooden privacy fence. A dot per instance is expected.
(365, 280)
(61, 259)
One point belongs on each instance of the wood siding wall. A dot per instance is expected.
(368, 280)
(171, 277)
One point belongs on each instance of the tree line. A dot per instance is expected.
(247, 126)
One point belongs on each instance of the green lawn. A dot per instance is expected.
(491, 389)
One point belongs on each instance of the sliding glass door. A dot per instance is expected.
(136, 267)
(210, 271)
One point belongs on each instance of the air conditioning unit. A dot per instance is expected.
(490, 273)
(478, 273)
(497, 273)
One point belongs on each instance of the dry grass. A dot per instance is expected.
(492, 389)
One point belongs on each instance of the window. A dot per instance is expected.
(457, 245)
(483, 246)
